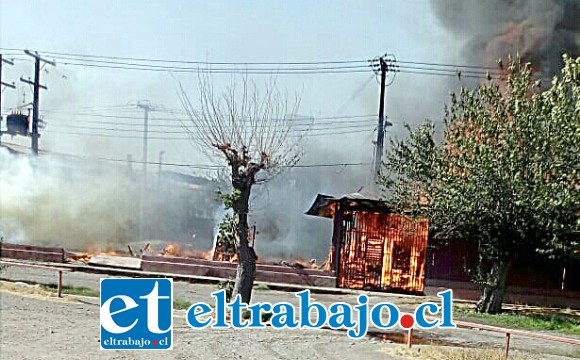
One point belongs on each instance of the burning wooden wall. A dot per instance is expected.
(372, 248)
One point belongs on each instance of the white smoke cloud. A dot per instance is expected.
(46, 200)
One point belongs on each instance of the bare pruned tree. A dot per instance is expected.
(253, 129)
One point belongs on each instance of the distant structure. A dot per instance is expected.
(17, 124)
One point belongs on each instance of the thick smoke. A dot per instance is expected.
(45, 201)
(98, 206)
(540, 31)
(87, 205)
(283, 230)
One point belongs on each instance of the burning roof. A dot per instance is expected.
(325, 205)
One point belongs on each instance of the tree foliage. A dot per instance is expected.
(505, 175)
(227, 235)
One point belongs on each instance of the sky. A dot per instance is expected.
(217, 31)
(85, 100)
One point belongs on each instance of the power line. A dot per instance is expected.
(192, 62)
(329, 66)
(167, 67)
(82, 57)
(189, 138)
(185, 131)
(113, 107)
(452, 74)
(287, 71)
(188, 120)
(211, 166)
(285, 68)
(354, 95)
(224, 71)
(454, 71)
(421, 70)
(447, 65)
(298, 71)
(187, 123)
(242, 69)
(312, 124)
(200, 166)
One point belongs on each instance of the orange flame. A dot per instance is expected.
(175, 249)
(328, 264)
(170, 250)
(181, 250)
(383, 251)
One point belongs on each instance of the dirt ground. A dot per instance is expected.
(36, 325)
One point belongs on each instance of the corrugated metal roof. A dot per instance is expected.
(324, 205)
(359, 196)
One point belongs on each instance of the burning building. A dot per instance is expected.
(540, 31)
(372, 247)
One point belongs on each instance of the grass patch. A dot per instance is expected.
(566, 324)
(261, 287)
(228, 286)
(83, 291)
(66, 290)
(181, 304)
(455, 353)
(73, 290)
(265, 316)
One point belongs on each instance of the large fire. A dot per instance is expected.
(517, 37)
(381, 251)
(171, 249)
(175, 249)
(180, 250)
(85, 257)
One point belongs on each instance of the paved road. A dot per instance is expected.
(37, 327)
(40, 328)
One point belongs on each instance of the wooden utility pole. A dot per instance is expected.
(36, 97)
(161, 153)
(379, 148)
(146, 108)
(381, 126)
(2, 62)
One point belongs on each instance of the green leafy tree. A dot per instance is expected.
(226, 238)
(505, 174)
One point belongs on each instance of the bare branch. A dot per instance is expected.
(252, 127)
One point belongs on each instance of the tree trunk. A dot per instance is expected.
(494, 290)
(246, 271)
